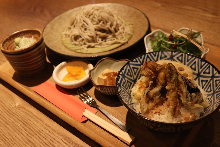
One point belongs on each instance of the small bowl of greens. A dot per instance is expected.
(184, 40)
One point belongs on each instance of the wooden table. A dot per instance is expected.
(23, 122)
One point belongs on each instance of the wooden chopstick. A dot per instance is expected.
(52, 108)
(122, 135)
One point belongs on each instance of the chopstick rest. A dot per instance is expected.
(122, 135)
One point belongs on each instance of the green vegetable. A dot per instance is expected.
(173, 42)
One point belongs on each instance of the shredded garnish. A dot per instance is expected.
(177, 41)
(24, 42)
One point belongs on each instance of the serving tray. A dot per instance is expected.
(143, 135)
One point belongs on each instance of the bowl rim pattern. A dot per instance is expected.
(153, 121)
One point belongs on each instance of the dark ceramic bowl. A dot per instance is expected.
(206, 75)
(25, 61)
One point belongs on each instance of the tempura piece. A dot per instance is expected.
(164, 94)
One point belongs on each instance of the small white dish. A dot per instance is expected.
(60, 71)
(147, 39)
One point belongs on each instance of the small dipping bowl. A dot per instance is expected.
(60, 71)
(28, 60)
(103, 64)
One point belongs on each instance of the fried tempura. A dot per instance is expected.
(164, 94)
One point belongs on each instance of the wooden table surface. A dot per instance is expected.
(25, 123)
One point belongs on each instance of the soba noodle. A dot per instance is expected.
(96, 29)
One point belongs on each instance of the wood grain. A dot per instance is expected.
(89, 129)
(25, 123)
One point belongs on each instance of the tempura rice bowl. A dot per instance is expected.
(205, 74)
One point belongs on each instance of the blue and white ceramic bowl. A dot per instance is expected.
(206, 75)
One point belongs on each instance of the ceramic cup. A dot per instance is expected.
(25, 61)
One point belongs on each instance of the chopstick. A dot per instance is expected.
(55, 110)
(122, 135)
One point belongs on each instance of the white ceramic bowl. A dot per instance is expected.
(147, 39)
(60, 71)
